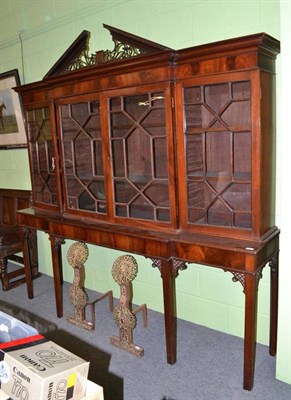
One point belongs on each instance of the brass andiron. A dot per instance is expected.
(124, 270)
(77, 256)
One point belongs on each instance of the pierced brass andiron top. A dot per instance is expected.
(77, 256)
(124, 270)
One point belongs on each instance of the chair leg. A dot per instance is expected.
(24, 236)
(4, 276)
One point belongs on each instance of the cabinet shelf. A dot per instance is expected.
(192, 130)
(241, 177)
(140, 125)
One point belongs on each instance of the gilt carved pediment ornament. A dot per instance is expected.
(126, 45)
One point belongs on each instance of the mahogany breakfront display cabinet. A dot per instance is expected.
(169, 154)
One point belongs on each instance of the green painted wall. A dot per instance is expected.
(284, 332)
(204, 295)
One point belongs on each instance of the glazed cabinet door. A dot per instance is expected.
(43, 160)
(81, 144)
(217, 132)
(117, 155)
(141, 156)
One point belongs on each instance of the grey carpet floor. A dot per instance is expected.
(209, 365)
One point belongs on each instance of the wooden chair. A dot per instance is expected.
(11, 263)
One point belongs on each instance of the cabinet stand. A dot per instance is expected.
(169, 254)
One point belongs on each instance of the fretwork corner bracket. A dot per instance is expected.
(178, 265)
(27, 232)
(124, 270)
(273, 262)
(56, 241)
(240, 277)
(77, 256)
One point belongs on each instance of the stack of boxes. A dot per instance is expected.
(33, 368)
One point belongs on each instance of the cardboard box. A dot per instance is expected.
(4, 396)
(93, 392)
(41, 370)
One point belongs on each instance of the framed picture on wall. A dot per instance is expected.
(12, 130)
